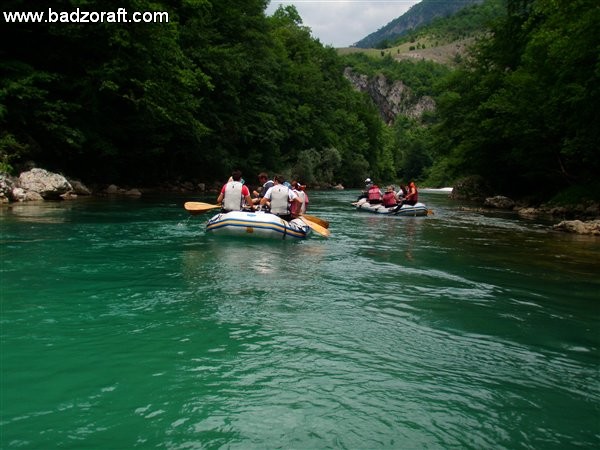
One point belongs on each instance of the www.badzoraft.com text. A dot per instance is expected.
(79, 16)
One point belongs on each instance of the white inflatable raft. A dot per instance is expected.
(256, 224)
(419, 209)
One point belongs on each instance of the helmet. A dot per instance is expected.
(368, 180)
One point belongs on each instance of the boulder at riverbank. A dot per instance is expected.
(581, 218)
(48, 185)
(579, 227)
(37, 185)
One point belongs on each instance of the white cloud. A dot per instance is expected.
(341, 23)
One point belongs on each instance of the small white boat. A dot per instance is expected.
(419, 209)
(256, 224)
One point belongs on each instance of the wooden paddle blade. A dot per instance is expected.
(316, 227)
(199, 207)
(316, 219)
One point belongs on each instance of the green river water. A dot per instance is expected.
(124, 326)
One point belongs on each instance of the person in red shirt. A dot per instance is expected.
(234, 193)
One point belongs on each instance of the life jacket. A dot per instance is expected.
(389, 199)
(233, 198)
(374, 195)
(279, 200)
(265, 187)
(413, 194)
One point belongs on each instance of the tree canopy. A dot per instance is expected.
(521, 110)
(219, 86)
(222, 86)
(524, 112)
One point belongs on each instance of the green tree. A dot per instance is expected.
(523, 114)
(219, 86)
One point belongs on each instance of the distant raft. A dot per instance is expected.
(419, 209)
(257, 224)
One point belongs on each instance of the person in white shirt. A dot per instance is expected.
(279, 198)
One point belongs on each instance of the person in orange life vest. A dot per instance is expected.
(374, 194)
(297, 209)
(233, 193)
(389, 198)
(411, 197)
(279, 197)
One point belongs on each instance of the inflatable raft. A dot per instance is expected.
(419, 209)
(258, 224)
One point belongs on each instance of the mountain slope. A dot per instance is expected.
(420, 14)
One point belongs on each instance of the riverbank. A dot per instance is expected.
(41, 185)
(579, 217)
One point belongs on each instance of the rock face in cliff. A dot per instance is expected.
(392, 98)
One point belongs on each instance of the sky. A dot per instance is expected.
(341, 23)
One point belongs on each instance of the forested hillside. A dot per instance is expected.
(521, 111)
(217, 87)
(416, 17)
(222, 86)
(524, 113)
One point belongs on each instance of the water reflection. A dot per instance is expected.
(239, 261)
(36, 212)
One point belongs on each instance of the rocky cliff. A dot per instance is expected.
(392, 98)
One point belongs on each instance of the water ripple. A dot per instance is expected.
(132, 328)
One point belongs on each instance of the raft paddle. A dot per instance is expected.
(195, 208)
(316, 219)
(316, 227)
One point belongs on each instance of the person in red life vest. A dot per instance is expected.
(389, 198)
(411, 196)
(374, 194)
(233, 193)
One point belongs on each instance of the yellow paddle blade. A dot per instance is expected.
(316, 227)
(199, 207)
(316, 219)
